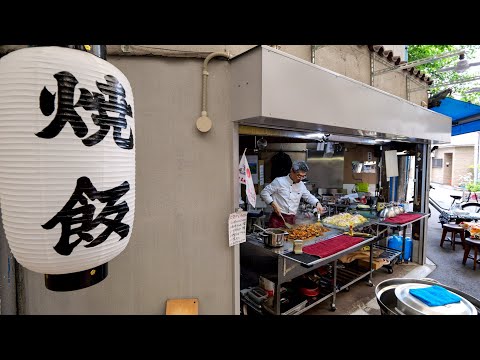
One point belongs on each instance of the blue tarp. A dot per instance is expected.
(465, 116)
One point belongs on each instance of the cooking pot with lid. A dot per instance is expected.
(394, 298)
(274, 237)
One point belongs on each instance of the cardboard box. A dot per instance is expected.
(377, 263)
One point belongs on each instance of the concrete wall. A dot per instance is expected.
(354, 61)
(179, 245)
(462, 159)
(436, 175)
(350, 60)
(447, 168)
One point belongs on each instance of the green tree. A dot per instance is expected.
(417, 52)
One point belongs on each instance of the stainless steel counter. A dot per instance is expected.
(288, 245)
(401, 227)
(279, 266)
(276, 265)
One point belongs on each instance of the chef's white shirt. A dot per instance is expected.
(286, 194)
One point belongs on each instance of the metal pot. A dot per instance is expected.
(391, 298)
(390, 212)
(384, 212)
(274, 237)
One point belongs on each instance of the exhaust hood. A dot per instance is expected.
(270, 88)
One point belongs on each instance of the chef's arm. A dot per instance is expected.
(266, 195)
(312, 200)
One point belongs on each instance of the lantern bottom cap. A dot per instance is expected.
(77, 280)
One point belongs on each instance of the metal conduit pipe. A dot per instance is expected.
(204, 124)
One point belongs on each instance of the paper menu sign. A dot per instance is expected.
(237, 228)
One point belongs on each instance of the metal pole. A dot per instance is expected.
(425, 194)
(456, 82)
(8, 293)
(421, 61)
(475, 159)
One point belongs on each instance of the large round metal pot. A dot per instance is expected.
(387, 294)
(274, 237)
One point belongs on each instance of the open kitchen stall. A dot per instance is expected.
(368, 154)
(272, 106)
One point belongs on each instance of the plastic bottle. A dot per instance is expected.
(395, 242)
(408, 248)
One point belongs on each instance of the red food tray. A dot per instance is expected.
(332, 246)
(402, 218)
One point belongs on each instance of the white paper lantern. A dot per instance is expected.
(67, 159)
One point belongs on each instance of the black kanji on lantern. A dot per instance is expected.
(81, 217)
(116, 103)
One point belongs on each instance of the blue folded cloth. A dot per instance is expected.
(435, 295)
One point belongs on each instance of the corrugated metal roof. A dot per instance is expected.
(396, 60)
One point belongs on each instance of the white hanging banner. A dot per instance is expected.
(245, 177)
(67, 159)
(237, 228)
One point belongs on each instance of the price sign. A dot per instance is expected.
(237, 228)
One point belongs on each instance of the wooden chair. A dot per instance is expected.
(471, 243)
(182, 307)
(455, 230)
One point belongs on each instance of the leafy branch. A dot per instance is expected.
(417, 52)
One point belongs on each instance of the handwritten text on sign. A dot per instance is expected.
(237, 228)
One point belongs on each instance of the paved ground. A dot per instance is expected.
(449, 269)
(360, 300)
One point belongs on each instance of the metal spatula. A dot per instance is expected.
(264, 230)
(289, 226)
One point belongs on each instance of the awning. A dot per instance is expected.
(274, 89)
(465, 116)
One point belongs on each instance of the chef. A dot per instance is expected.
(284, 194)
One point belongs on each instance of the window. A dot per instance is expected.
(437, 163)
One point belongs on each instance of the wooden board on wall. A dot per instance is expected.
(182, 307)
(358, 153)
